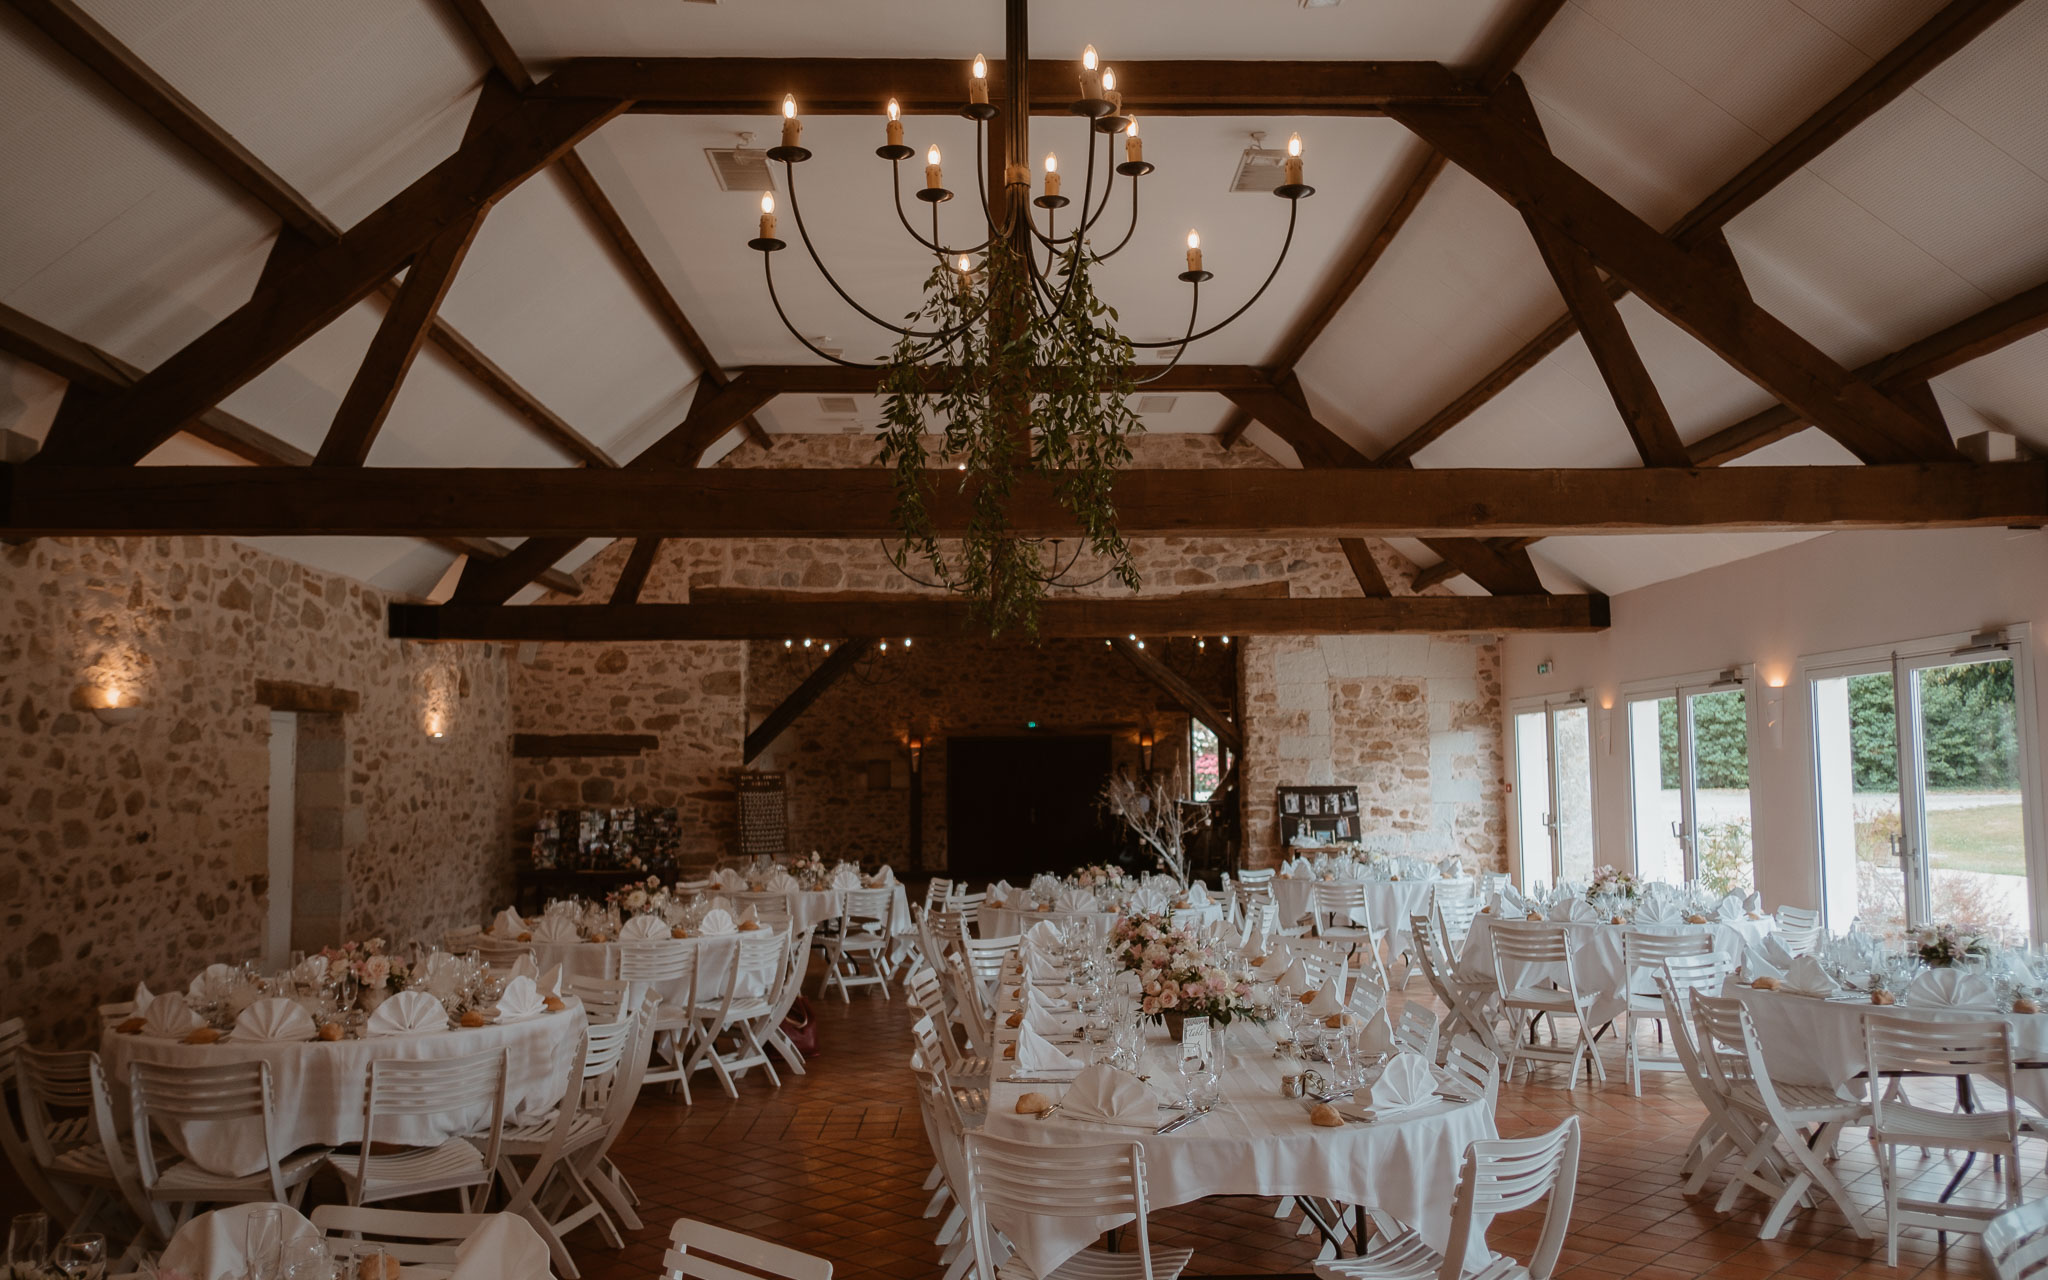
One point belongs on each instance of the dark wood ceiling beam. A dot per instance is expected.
(1689, 291)
(633, 575)
(1181, 690)
(1063, 618)
(832, 379)
(836, 664)
(938, 86)
(858, 503)
(1949, 30)
(407, 320)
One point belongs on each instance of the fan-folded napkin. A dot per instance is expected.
(169, 1016)
(780, 881)
(405, 1013)
(526, 966)
(643, 929)
(509, 924)
(219, 976)
(1077, 899)
(143, 996)
(1300, 869)
(555, 929)
(1152, 899)
(1658, 913)
(1406, 1082)
(1036, 1053)
(883, 879)
(717, 920)
(846, 876)
(999, 894)
(1036, 999)
(1805, 977)
(520, 999)
(1109, 1096)
(1949, 988)
(274, 1019)
(1577, 911)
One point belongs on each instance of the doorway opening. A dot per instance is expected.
(1017, 806)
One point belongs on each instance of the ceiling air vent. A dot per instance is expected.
(745, 169)
(1157, 404)
(837, 406)
(1258, 170)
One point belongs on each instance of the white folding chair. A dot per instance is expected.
(700, 1251)
(1467, 1004)
(1683, 977)
(966, 904)
(1417, 1031)
(1256, 877)
(1343, 911)
(1797, 917)
(2016, 1243)
(985, 960)
(1642, 961)
(409, 1237)
(971, 1007)
(796, 958)
(1475, 1067)
(927, 994)
(1085, 1181)
(1524, 954)
(1898, 1047)
(222, 1093)
(861, 934)
(670, 969)
(755, 964)
(68, 1113)
(1500, 1176)
(13, 1039)
(936, 891)
(603, 999)
(1800, 940)
(1768, 1121)
(469, 1090)
(1454, 911)
(499, 953)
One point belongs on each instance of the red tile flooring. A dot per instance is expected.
(833, 1161)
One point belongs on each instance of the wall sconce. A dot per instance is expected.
(1774, 711)
(437, 728)
(108, 704)
(1604, 724)
(1145, 749)
(916, 753)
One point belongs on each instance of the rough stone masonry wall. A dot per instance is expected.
(1416, 725)
(139, 851)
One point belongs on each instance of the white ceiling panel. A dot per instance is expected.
(2008, 388)
(1612, 564)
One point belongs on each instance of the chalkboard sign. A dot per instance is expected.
(764, 815)
(1327, 815)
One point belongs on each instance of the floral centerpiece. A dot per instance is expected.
(1177, 976)
(638, 896)
(1098, 875)
(1944, 946)
(1612, 882)
(377, 973)
(810, 872)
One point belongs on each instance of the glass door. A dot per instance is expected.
(1689, 785)
(1856, 759)
(1554, 792)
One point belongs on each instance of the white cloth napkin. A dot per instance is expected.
(1152, 899)
(780, 881)
(274, 1019)
(526, 966)
(1753, 904)
(555, 929)
(1659, 913)
(1109, 1096)
(1078, 899)
(846, 876)
(1577, 911)
(143, 996)
(1950, 988)
(311, 972)
(1805, 977)
(729, 879)
(1039, 1019)
(999, 894)
(1035, 1053)
(170, 1017)
(550, 982)
(1513, 898)
(1036, 999)
(751, 914)
(1198, 894)
(1406, 1082)
(717, 920)
(1042, 934)
(221, 975)
(520, 999)
(643, 929)
(1300, 869)
(884, 878)
(1039, 969)
(1326, 1001)
(405, 1013)
(504, 1248)
(1297, 978)
(508, 924)
(210, 1246)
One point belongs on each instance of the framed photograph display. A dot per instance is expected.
(1327, 815)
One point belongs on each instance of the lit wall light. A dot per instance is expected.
(1145, 749)
(916, 753)
(1774, 710)
(107, 703)
(1605, 723)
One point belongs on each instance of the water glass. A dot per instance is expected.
(82, 1256)
(262, 1243)
(28, 1246)
(304, 1258)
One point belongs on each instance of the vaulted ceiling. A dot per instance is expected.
(120, 236)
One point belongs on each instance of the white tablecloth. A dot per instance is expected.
(320, 1085)
(1596, 955)
(811, 907)
(601, 960)
(1005, 922)
(1809, 1041)
(1391, 902)
(1258, 1143)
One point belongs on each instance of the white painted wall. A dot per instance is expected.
(1843, 591)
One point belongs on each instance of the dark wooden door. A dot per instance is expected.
(1015, 806)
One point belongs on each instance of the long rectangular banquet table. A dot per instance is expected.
(1257, 1143)
(1596, 954)
(1008, 922)
(811, 907)
(715, 957)
(319, 1085)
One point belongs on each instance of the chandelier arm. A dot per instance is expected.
(1080, 548)
(1294, 213)
(935, 586)
(981, 186)
(803, 233)
(768, 269)
(1194, 309)
(1129, 231)
(896, 187)
(1108, 185)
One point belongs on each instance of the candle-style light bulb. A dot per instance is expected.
(1052, 174)
(1109, 90)
(113, 697)
(1091, 79)
(792, 128)
(931, 168)
(1194, 251)
(1293, 170)
(977, 84)
(1134, 149)
(894, 129)
(965, 265)
(767, 215)
(1088, 58)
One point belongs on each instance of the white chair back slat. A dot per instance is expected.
(701, 1251)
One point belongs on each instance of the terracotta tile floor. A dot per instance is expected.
(832, 1162)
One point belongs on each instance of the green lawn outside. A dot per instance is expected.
(1986, 839)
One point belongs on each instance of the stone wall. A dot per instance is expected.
(1413, 721)
(138, 851)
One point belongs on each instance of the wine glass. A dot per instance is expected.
(304, 1258)
(28, 1246)
(1191, 1070)
(263, 1242)
(81, 1256)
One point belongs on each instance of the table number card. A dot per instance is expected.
(1194, 1039)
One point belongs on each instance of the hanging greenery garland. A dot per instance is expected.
(1040, 388)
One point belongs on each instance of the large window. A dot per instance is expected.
(1554, 791)
(1689, 783)
(1207, 753)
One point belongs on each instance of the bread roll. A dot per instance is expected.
(1033, 1103)
(1326, 1116)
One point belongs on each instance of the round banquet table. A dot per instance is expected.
(1811, 1041)
(809, 908)
(1596, 955)
(1391, 902)
(1257, 1143)
(319, 1085)
(1008, 922)
(715, 956)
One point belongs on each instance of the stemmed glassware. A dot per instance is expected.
(28, 1246)
(80, 1256)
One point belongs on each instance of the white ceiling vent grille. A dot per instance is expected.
(1157, 404)
(1258, 170)
(742, 168)
(837, 406)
